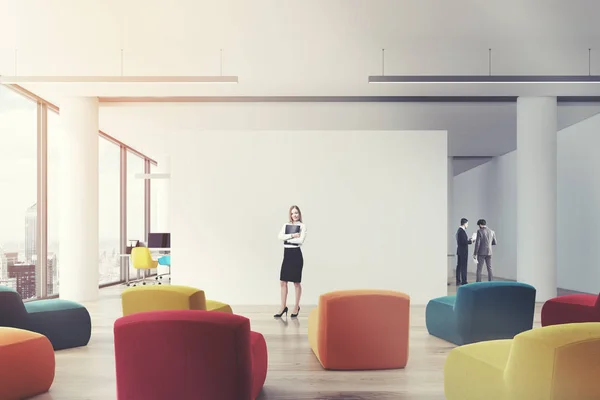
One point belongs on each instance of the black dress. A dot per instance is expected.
(291, 267)
(293, 262)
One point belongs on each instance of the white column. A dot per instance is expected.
(451, 224)
(78, 263)
(536, 194)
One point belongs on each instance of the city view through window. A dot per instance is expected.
(18, 185)
(19, 267)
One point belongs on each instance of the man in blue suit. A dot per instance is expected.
(462, 251)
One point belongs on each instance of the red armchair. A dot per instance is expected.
(571, 308)
(197, 354)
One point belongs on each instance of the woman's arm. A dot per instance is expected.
(282, 235)
(299, 240)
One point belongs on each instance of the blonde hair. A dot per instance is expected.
(299, 213)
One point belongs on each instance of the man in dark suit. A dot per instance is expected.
(486, 238)
(462, 251)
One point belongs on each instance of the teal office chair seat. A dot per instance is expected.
(165, 260)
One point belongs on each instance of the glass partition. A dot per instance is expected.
(31, 137)
(135, 204)
(109, 160)
(19, 268)
(55, 137)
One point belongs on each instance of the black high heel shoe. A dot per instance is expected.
(285, 311)
(295, 315)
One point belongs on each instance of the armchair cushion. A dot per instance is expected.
(551, 363)
(65, 323)
(208, 355)
(571, 309)
(441, 320)
(313, 332)
(12, 310)
(259, 362)
(213, 305)
(360, 329)
(27, 366)
(482, 311)
(472, 369)
(167, 297)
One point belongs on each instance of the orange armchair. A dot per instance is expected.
(360, 329)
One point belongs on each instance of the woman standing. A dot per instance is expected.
(293, 234)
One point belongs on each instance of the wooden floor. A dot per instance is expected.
(88, 373)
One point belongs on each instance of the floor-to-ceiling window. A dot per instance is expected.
(135, 203)
(109, 211)
(27, 124)
(19, 268)
(55, 137)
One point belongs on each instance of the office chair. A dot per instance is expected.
(141, 258)
(164, 260)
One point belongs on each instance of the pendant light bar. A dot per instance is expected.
(484, 79)
(117, 79)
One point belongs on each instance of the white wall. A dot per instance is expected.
(371, 201)
(579, 206)
(489, 192)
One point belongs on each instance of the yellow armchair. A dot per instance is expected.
(168, 297)
(558, 362)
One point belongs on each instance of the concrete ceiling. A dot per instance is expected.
(461, 165)
(308, 48)
(300, 48)
(475, 130)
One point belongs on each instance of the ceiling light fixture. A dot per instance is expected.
(119, 79)
(383, 78)
(484, 79)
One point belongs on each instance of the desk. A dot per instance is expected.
(156, 253)
(160, 249)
